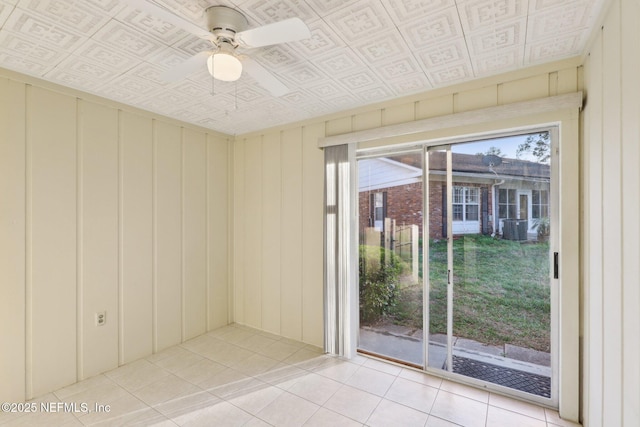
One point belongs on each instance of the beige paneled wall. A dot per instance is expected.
(279, 173)
(103, 209)
(611, 255)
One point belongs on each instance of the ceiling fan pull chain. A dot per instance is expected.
(213, 81)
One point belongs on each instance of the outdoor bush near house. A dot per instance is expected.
(379, 279)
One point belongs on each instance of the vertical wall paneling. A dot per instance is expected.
(595, 234)
(630, 64)
(312, 236)
(368, 120)
(12, 240)
(167, 212)
(194, 237)
(569, 290)
(92, 219)
(612, 202)
(271, 232)
(434, 107)
(398, 114)
(525, 89)
(476, 98)
(252, 260)
(238, 230)
(338, 126)
(98, 238)
(218, 231)
(136, 237)
(52, 247)
(291, 220)
(567, 81)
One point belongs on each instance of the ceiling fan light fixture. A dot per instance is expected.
(224, 66)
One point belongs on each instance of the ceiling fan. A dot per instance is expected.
(227, 31)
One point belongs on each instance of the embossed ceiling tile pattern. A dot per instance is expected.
(71, 79)
(444, 54)
(250, 94)
(303, 74)
(276, 57)
(541, 5)
(359, 52)
(23, 65)
(360, 19)
(86, 68)
(16, 44)
(410, 84)
(326, 89)
(382, 48)
(147, 72)
(193, 45)
(152, 26)
(406, 10)
(450, 74)
(42, 30)
(554, 48)
(373, 93)
(360, 81)
(480, 14)
(502, 60)
(568, 18)
(504, 36)
(322, 40)
(434, 28)
(339, 62)
(120, 36)
(188, 88)
(107, 56)
(5, 10)
(267, 11)
(398, 68)
(324, 7)
(171, 98)
(138, 86)
(168, 57)
(70, 14)
(194, 9)
(342, 102)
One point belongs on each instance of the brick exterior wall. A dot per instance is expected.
(404, 204)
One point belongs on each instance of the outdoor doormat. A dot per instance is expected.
(512, 378)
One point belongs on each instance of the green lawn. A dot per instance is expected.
(501, 292)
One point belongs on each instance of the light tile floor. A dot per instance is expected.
(237, 376)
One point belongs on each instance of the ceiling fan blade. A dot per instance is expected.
(170, 17)
(191, 65)
(285, 31)
(264, 77)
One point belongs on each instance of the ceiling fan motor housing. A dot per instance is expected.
(224, 22)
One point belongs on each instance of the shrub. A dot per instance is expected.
(379, 273)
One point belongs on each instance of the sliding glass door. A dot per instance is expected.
(390, 256)
(456, 261)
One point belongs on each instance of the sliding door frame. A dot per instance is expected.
(562, 111)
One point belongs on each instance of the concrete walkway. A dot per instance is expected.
(406, 344)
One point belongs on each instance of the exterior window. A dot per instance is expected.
(540, 204)
(378, 209)
(466, 203)
(507, 203)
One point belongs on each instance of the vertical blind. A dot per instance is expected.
(337, 251)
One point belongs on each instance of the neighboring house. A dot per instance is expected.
(391, 187)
